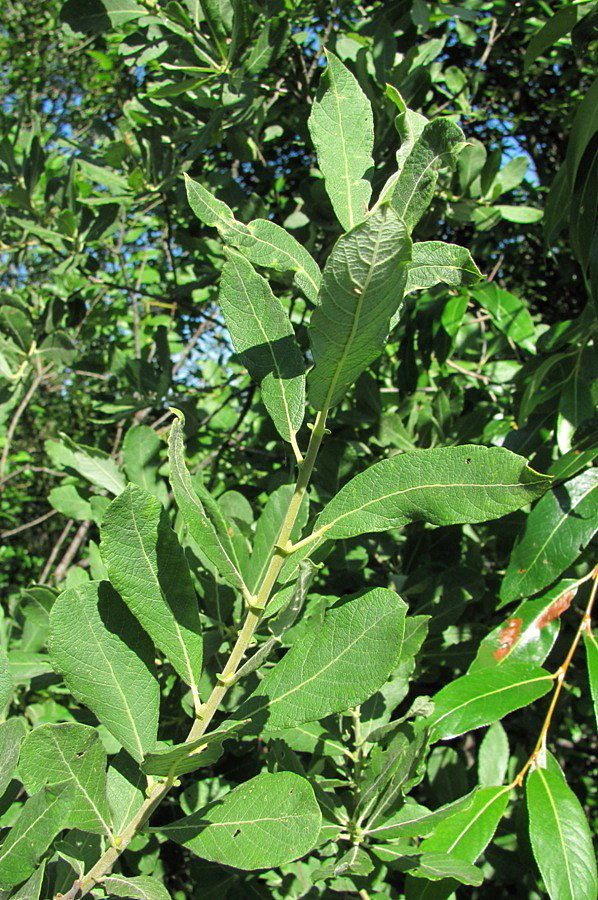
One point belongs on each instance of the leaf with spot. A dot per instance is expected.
(341, 125)
(107, 661)
(263, 336)
(147, 566)
(266, 822)
(362, 287)
(51, 754)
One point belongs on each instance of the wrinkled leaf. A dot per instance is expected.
(436, 262)
(334, 666)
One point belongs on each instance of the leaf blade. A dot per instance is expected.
(107, 651)
(268, 821)
(341, 125)
(362, 286)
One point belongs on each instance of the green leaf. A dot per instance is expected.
(140, 888)
(90, 462)
(126, 786)
(68, 501)
(522, 214)
(41, 818)
(266, 822)
(6, 685)
(32, 888)
(52, 754)
(591, 647)
(341, 125)
(274, 248)
(557, 26)
(362, 286)
(263, 337)
(529, 633)
(466, 833)
(107, 661)
(413, 820)
(484, 697)
(556, 531)
(212, 540)
(435, 148)
(435, 262)
(585, 125)
(560, 837)
(91, 16)
(11, 733)
(493, 756)
(509, 314)
(189, 756)
(217, 214)
(334, 666)
(443, 486)
(141, 459)
(435, 866)
(147, 566)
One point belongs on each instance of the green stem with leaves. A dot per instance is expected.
(226, 678)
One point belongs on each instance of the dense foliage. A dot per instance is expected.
(297, 431)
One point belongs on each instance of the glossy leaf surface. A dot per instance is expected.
(556, 530)
(484, 697)
(560, 837)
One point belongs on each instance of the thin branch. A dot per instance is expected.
(55, 551)
(32, 524)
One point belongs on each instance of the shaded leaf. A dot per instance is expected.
(435, 148)
(556, 531)
(493, 756)
(11, 733)
(439, 865)
(126, 786)
(509, 314)
(276, 249)
(212, 541)
(191, 755)
(591, 647)
(107, 662)
(40, 820)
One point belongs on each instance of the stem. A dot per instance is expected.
(37, 380)
(226, 678)
(559, 676)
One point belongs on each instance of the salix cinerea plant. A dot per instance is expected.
(110, 638)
